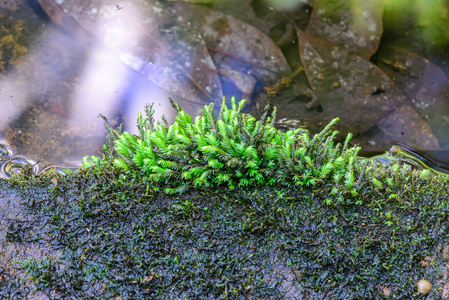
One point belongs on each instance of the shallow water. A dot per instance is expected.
(56, 79)
(52, 92)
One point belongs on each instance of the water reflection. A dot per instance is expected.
(40, 117)
(18, 164)
(50, 98)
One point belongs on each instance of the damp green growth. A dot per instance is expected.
(234, 149)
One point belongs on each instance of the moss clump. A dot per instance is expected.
(233, 149)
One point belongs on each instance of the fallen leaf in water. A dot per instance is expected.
(346, 85)
(404, 125)
(362, 95)
(235, 44)
(424, 84)
(355, 25)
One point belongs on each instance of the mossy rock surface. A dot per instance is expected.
(381, 228)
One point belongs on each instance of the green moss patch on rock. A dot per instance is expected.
(341, 236)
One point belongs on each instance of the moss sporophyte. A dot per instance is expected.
(335, 224)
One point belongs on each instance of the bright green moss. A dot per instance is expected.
(233, 149)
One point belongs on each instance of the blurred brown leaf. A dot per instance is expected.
(404, 125)
(235, 44)
(424, 84)
(347, 86)
(354, 25)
